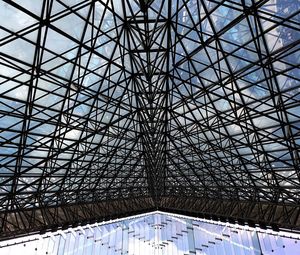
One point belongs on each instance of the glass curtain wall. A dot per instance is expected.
(157, 234)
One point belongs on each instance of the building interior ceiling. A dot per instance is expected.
(110, 108)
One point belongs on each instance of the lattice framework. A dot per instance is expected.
(112, 107)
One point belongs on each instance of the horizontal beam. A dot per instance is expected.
(41, 220)
(264, 214)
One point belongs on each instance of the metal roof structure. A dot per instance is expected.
(109, 108)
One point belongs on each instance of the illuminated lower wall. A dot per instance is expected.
(157, 234)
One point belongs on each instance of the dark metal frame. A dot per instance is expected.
(182, 114)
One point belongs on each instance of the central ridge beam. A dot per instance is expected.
(149, 60)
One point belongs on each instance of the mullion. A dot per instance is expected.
(228, 66)
(29, 105)
(283, 112)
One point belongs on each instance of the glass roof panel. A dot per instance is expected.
(110, 101)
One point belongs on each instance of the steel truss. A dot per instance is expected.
(113, 107)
